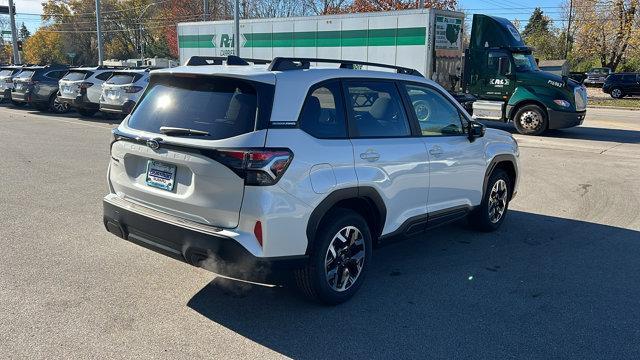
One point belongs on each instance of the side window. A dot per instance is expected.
(323, 113)
(436, 115)
(104, 76)
(498, 63)
(376, 109)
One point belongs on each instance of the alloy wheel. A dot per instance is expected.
(531, 120)
(59, 107)
(345, 258)
(498, 200)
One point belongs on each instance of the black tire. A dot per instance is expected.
(56, 106)
(87, 112)
(18, 103)
(617, 93)
(313, 280)
(481, 217)
(531, 120)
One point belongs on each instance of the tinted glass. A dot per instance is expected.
(75, 75)
(104, 76)
(436, 115)
(629, 78)
(222, 107)
(493, 63)
(525, 62)
(26, 74)
(376, 109)
(56, 75)
(123, 79)
(7, 72)
(323, 113)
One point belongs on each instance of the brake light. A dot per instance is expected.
(258, 167)
(132, 89)
(84, 86)
(8, 80)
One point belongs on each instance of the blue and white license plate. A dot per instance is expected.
(161, 175)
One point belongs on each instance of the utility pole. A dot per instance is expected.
(568, 35)
(236, 18)
(14, 34)
(421, 4)
(99, 33)
(205, 15)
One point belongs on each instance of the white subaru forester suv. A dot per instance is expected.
(256, 172)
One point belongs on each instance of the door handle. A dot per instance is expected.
(370, 155)
(436, 150)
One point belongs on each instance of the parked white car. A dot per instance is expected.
(7, 73)
(249, 171)
(81, 88)
(121, 91)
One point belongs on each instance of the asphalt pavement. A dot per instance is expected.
(560, 279)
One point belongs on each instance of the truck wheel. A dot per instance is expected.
(338, 260)
(530, 120)
(495, 202)
(617, 93)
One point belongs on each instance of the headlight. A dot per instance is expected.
(563, 103)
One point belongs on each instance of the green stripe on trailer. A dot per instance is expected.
(344, 38)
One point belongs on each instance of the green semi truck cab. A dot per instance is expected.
(501, 73)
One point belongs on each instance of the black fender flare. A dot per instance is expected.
(492, 165)
(359, 192)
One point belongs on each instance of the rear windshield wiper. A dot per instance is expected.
(168, 130)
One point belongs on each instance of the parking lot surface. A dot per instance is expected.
(560, 279)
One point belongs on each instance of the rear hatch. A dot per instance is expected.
(71, 82)
(120, 87)
(6, 79)
(190, 173)
(22, 82)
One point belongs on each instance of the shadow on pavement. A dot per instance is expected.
(580, 132)
(540, 285)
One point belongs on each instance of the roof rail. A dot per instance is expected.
(292, 63)
(219, 60)
(110, 67)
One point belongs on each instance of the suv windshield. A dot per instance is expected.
(221, 107)
(122, 79)
(525, 62)
(76, 75)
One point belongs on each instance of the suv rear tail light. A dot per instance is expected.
(84, 86)
(132, 89)
(8, 80)
(258, 167)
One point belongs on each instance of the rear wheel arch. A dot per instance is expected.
(363, 200)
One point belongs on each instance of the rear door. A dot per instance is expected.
(388, 157)
(456, 164)
(190, 176)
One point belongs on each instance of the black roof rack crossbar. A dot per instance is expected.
(292, 63)
(219, 60)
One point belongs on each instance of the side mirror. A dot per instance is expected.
(475, 130)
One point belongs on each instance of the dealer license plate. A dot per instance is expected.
(161, 175)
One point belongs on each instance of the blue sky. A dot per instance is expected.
(510, 9)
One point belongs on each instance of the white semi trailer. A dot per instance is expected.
(427, 40)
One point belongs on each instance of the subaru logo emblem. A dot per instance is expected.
(153, 144)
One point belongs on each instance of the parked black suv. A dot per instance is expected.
(38, 86)
(620, 85)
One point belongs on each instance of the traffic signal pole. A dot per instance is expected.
(14, 34)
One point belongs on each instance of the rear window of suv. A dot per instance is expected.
(220, 106)
(26, 74)
(123, 79)
(6, 72)
(77, 75)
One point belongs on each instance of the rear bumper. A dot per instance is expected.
(79, 102)
(20, 96)
(561, 119)
(212, 250)
(124, 108)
